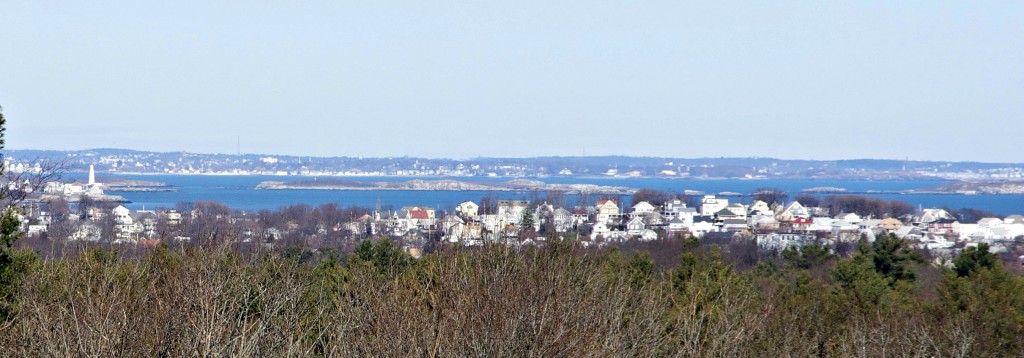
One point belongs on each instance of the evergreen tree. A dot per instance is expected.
(892, 257)
(881, 268)
(384, 255)
(526, 224)
(13, 263)
(973, 259)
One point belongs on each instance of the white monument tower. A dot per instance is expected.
(92, 187)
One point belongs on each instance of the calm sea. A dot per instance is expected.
(239, 192)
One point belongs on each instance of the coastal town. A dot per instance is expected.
(73, 212)
(511, 179)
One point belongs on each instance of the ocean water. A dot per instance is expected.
(239, 192)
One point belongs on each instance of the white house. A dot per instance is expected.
(492, 222)
(822, 223)
(34, 230)
(125, 227)
(468, 209)
(777, 241)
(648, 235)
(843, 225)
(702, 226)
(927, 216)
(795, 210)
(687, 215)
(642, 208)
(852, 218)
(512, 210)
(599, 229)
(967, 231)
(673, 207)
(87, 232)
(580, 216)
(760, 207)
(989, 223)
(616, 236)
(562, 219)
(1014, 219)
(765, 221)
(734, 225)
(710, 205)
(738, 210)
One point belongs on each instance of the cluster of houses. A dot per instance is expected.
(772, 226)
(127, 226)
(776, 226)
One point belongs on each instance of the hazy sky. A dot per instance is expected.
(816, 80)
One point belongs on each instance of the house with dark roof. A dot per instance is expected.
(734, 225)
(702, 225)
(943, 226)
(635, 226)
(676, 225)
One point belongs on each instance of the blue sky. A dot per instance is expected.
(931, 80)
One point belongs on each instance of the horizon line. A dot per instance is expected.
(514, 158)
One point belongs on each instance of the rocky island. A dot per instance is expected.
(979, 187)
(133, 185)
(824, 190)
(446, 185)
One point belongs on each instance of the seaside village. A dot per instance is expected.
(520, 222)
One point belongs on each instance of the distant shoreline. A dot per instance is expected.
(446, 185)
(467, 177)
(534, 183)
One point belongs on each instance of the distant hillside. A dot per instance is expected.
(133, 161)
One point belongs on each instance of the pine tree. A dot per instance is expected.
(973, 259)
(526, 224)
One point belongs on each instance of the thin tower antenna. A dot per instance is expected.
(238, 146)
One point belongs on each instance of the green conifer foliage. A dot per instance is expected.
(13, 263)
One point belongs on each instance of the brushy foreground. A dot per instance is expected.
(548, 302)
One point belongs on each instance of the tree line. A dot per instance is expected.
(556, 300)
